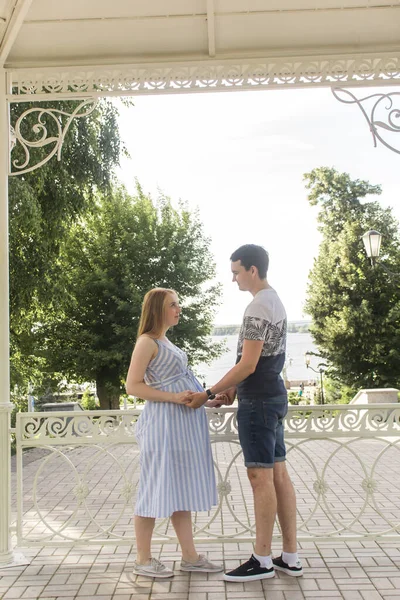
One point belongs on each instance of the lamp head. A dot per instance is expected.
(372, 244)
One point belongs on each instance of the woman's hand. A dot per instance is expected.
(182, 397)
(197, 399)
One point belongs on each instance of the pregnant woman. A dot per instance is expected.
(177, 473)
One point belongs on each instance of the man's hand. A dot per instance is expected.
(228, 395)
(197, 399)
(218, 401)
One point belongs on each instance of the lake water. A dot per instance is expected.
(297, 345)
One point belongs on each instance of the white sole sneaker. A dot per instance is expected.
(202, 565)
(280, 565)
(155, 570)
(244, 578)
(192, 569)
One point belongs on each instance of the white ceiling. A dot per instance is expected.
(39, 33)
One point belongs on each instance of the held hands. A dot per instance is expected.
(196, 399)
(218, 401)
(230, 395)
(182, 397)
(227, 397)
(191, 399)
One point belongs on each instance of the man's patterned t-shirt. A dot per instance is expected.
(264, 320)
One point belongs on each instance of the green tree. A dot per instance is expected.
(355, 308)
(111, 258)
(337, 394)
(43, 204)
(88, 402)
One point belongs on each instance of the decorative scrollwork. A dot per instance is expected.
(222, 422)
(320, 486)
(369, 485)
(127, 491)
(382, 116)
(46, 118)
(214, 75)
(96, 427)
(13, 139)
(301, 422)
(224, 488)
(350, 421)
(81, 491)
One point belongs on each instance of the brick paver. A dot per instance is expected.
(356, 570)
(112, 579)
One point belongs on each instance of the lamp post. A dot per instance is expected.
(372, 244)
(307, 358)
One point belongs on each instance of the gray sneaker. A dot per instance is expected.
(202, 565)
(154, 568)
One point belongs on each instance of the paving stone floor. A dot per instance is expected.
(356, 570)
(349, 571)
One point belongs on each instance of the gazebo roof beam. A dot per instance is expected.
(12, 29)
(211, 11)
(211, 27)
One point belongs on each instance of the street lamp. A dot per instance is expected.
(307, 358)
(372, 244)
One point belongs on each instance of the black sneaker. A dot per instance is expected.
(249, 571)
(280, 565)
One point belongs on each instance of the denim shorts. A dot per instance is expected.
(261, 435)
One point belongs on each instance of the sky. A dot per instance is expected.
(240, 158)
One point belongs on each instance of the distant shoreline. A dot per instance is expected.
(293, 327)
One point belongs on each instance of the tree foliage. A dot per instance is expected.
(355, 308)
(43, 204)
(111, 257)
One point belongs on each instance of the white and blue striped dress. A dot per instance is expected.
(176, 466)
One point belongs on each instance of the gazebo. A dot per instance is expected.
(85, 50)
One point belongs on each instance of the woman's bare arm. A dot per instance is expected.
(145, 350)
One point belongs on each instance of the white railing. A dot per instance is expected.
(344, 462)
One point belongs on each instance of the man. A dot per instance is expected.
(263, 404)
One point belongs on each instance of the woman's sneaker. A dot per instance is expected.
(249, 571)
(154, 568)
(202, 565)
(280, 565)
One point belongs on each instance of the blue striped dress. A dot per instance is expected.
(176, 466)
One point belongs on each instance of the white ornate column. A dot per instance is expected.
(6, 554)
(7, 557)
(41, 138)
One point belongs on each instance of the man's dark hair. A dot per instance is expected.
(251, 255)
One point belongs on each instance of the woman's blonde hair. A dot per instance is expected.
(153, 311)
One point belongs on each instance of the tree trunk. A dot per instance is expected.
(108, 390)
